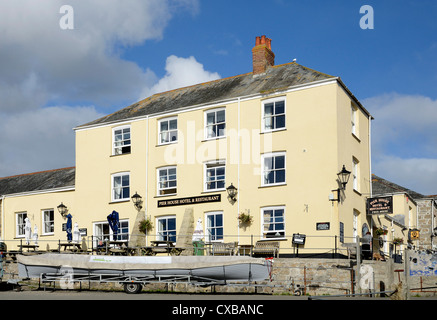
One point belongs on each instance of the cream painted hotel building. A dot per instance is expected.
(279, 134)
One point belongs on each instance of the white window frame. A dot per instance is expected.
(354, 120)
(104, 226)
(162, 191)
(123, 230)
(273, 116)
(209, 237)
(356, 174)
(356, 215)
(114, 188)
(118, 150)
(275, 223)
(48, 224)
(264, 170)
(219, 133)
(169, 132)
(20, 225)
(163, 234)
(213, 166)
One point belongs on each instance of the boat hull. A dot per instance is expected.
(229, 268)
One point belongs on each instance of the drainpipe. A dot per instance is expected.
(2, 198)
(432, 221)
(146, 197)
(370, 155)
(238, 170)
(370, 171)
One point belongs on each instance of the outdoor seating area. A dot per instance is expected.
(184, 245)
(156, 247)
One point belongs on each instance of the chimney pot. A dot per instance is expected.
(262, 55)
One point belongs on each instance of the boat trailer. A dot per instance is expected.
(131, 283)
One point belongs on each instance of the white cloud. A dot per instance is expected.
(181, 72)
(418, 174)
(404, 124)
(404, 140)
(82, 64)
(43, 65)
(41, 139)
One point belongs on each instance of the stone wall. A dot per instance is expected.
(424, 217)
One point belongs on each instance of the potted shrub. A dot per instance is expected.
(145, 225)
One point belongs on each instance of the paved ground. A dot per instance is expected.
(59, 294)
(189, 306)
(103, 295)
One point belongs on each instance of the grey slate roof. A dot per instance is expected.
(276, 78)
(38, 181)
(381, 186)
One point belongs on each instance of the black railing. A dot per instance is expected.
(310, 246)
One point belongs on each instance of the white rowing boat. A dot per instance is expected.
(228, 268)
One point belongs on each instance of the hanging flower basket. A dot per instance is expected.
(145, 225)
(245, 218)
(380, 232)
(398, 241)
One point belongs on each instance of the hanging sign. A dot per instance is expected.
(379, 205)
(414, 234)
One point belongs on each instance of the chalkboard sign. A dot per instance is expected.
(299, 238)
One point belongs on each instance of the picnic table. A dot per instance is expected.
(162, 246)
(118, 247)
(70, 246)
(28, 247)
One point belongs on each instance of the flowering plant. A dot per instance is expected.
(145, 225)
(245, 218)
(398, 240)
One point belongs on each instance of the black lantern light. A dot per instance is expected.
(232, 192)
(343, 178)
(62, 208)
(137, 200)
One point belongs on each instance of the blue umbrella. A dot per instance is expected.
(114, 224)
(69, 226)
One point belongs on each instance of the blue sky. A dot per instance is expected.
(119, 52)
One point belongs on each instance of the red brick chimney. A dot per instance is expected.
(262, 55)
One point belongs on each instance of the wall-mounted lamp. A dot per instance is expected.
(62, 209)
(137, 200)
(232, 192)
(343, 178)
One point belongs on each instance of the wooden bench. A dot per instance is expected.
(223, 249)
(266, 248)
